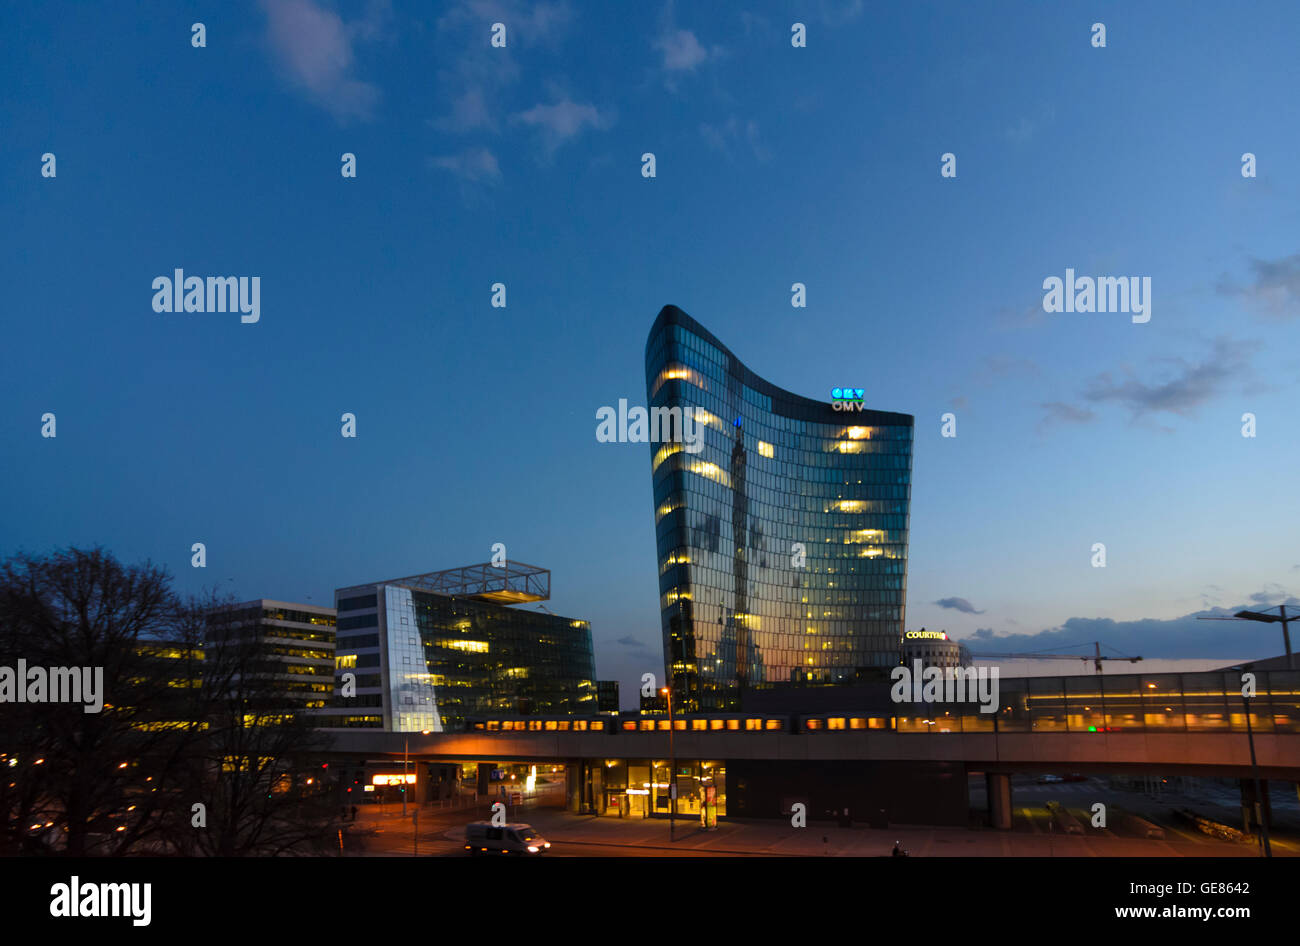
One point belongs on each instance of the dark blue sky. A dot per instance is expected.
(775, 165)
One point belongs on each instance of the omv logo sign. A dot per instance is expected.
(847, 399)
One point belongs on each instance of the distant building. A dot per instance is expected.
(299, 642)
(654, 705)
(428, 651)
(607, 696)
(934, 649)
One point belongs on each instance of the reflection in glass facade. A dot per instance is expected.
(776, 469)
(425, 661)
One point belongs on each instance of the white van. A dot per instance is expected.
(483, 837)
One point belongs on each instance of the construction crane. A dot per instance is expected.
(1096, 658)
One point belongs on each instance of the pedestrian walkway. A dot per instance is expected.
(572, 833)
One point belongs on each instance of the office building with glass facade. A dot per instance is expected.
(296, 643)
(782, 539)
(427, 652)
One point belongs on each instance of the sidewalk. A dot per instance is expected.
(778, 838)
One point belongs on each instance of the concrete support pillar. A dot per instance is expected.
(1255, 808)
(597, 773)
(998, 791)
(573, 784)
(485, 779)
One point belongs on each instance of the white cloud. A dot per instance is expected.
(733, 132)
(563, 120)
(682, 51)
(473, 164)
(314, 47)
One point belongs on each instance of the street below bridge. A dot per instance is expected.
(381, 832)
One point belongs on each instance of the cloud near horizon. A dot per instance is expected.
(1173, 638)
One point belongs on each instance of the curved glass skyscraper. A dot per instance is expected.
(782, 537)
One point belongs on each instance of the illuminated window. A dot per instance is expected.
(679, 724)
(751, 724)
(698, 724)
(665, 509)
(704, 417)
(678, 373)
(859, 433)
(579, 725)
(494, 725)
(474, 647)
(711, 471)
(857, 722)
(564, 725)
(765, 449)
(835, 722)
(647, 725)
(629, 725)
(552, 725)
(598, 724)
(733, 724)
(812, 724)
(716, 723)
(772, 724)
(662, 724)
(666, 451)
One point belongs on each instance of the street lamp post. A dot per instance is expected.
(1254, 771)
(1274, 619)
(672, 771)
(1280, 618)
(406, 753)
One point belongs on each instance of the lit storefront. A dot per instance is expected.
(641, 788)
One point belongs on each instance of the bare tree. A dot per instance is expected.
(192, 715)
(88, 782)
(258, 773)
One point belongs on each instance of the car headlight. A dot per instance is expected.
(532, 849)
(547, 844)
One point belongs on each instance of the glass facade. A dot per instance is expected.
(425, 661)
(782, 543)
(485, 659)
